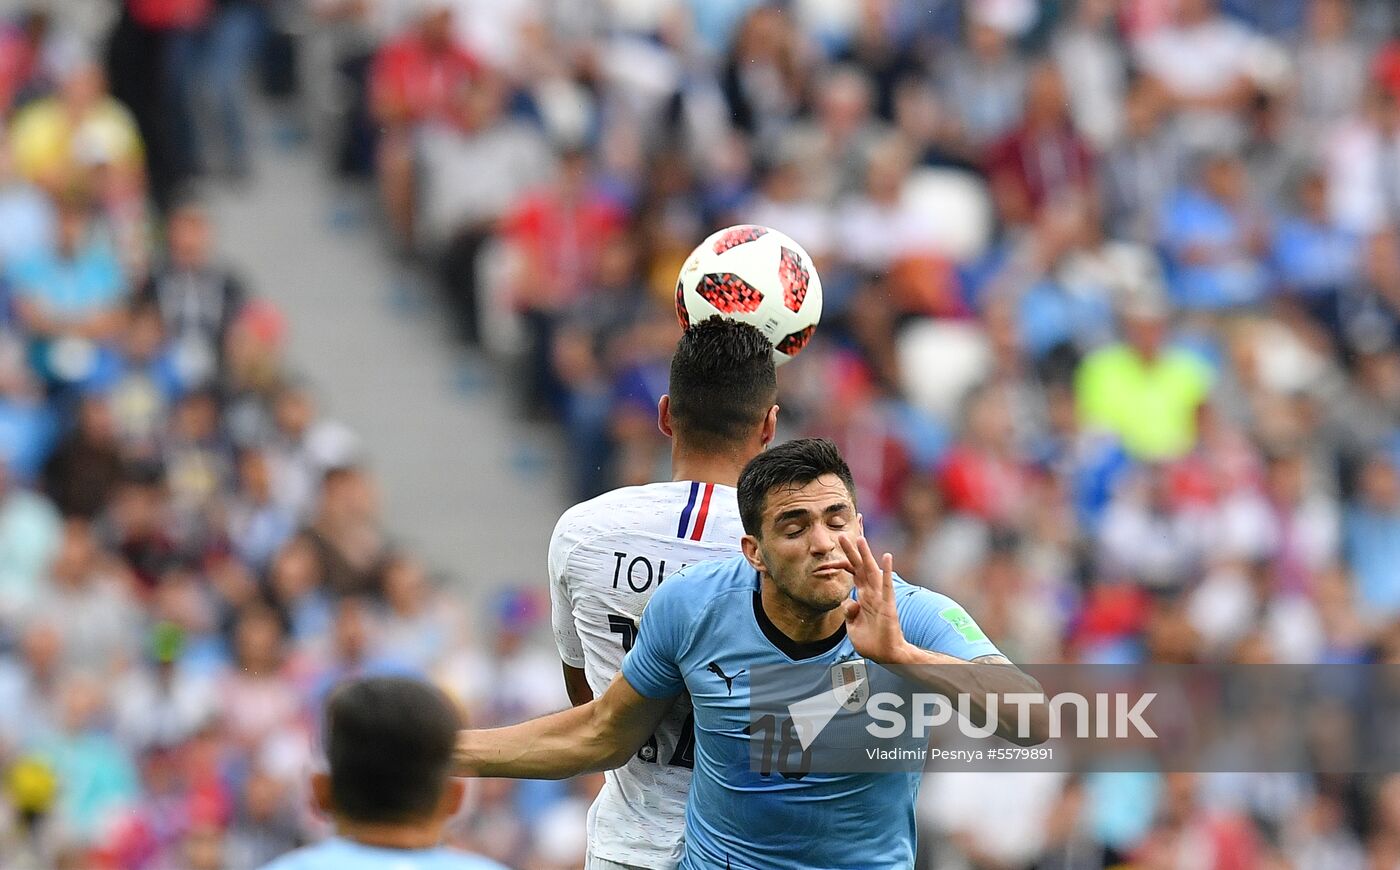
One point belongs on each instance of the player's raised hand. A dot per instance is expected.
(872, 622)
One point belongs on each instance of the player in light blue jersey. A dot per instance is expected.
(787, 601)
(389, 744)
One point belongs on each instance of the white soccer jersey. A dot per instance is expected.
(606, 558)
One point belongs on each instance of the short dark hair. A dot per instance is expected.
(792, 464)
(723, 382)
(389, 742)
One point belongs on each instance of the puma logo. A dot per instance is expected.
(715, 669)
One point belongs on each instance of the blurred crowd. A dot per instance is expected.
(1111, 339)
(191, 555)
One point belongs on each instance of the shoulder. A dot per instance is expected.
(644, 508)
(918, 604)
(909, 596)
(695, 586)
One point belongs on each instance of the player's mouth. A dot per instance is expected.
(831, 569)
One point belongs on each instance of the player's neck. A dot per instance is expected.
(799, 624)
(385, 836)
(706, 467)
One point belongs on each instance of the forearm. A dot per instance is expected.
(954, 677)
(576, 684)
(556, 746)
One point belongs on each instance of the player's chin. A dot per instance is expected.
(829, 588)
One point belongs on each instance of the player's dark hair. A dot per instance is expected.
(723, 382)
(389, 742)
(793, 465)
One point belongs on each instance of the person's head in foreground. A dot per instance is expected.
(723, 390)
(388, 743)
(795, 501)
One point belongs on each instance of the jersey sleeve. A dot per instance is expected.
(939, 624)
(653, 665)
(561, 604)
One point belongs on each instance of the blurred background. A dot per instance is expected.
(315, 314)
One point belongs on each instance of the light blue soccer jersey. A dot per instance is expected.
(703, 632)
(341, 854)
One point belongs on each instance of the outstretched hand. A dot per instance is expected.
(872, 621)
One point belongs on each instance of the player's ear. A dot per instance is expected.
(749, 544)
(321, 792)
(453, 795)
(663, 416)
(860, 525)
(770, 426)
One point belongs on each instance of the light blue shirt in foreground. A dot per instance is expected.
(340, 854)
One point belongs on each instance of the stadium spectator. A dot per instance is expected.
(475, 169)
(1202, 60)
(235, 36)
(1371, 526)
(985, 79)
(1143, 167)
(1315, 259)
(28, 222)
(69, 301)
(556, 234)
(414, 81)
(56, 138)
(1360, 155)
(197, 298)
(1043, 159)
(1095, 70)
(29, 539)
(346, 536)
(1336, 63)
(1213, 239)
(82, 472)
(1142, 390)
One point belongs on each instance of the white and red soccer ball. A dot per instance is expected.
(755, 275)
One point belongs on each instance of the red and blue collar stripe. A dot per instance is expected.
(685, 529)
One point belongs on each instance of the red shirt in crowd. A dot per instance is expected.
(559, 238)
(170, 14)
(1034, 165)
(991, 487)
(413, 80)
(1387, 67)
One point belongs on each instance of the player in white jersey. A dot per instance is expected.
(610, 553)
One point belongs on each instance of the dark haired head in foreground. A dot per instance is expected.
(723, 389)
(389, 742)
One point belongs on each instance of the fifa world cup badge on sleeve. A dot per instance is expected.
(851, 683)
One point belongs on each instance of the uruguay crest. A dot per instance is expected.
(851, 682)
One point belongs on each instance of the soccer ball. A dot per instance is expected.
(755, 275)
